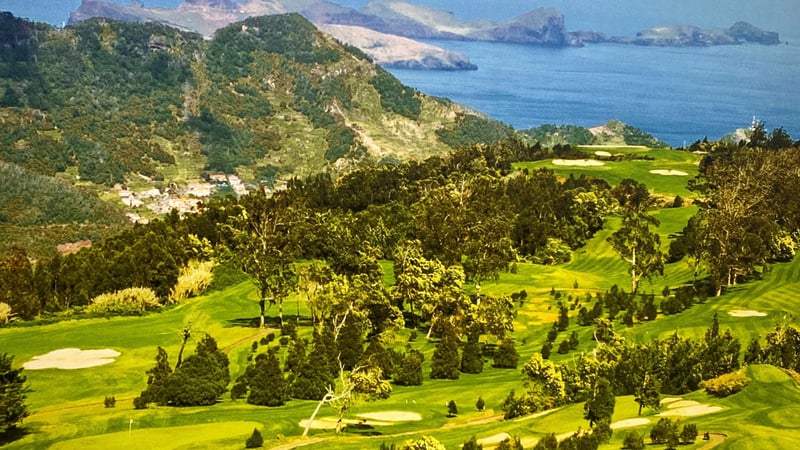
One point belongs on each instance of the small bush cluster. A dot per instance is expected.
(127, 302)
(725, 385)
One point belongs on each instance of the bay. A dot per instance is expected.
(677, 94)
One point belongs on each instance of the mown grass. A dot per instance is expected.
(638, 169)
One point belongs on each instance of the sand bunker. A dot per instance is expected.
(578, 162)
(691, 411)
(668, 400)
(329, 423)
(392, 416)
(669, 172)
(746, 313)
(602, 153)
(682, 404)
(376, 419)
(72, 358)
(494, 440)
(630, 423)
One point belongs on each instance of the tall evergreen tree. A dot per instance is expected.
(600, 405)
(472, 356)
(267, 384)
(506, 355)
(12, 395)
(446, 361)
(157, 376)
(350, 343)
(202, 377)
(409, 371)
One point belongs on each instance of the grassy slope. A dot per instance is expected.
(68, 405)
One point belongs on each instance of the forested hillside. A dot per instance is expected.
(105, 103)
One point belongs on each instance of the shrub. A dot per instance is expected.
(423, 443)
(689, 433)
(633, 441)
(193, 279)
(510, 443)
(549, 442)
(506, 355)
(480, 405)
(452, 408)
(472, 444)
(255, 440)
(725, 385)
(127, 302)
(284, 341)
(110, 401)
(664, 432)
(5, 313)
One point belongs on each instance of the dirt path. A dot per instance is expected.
(714, 440)
(246, 340)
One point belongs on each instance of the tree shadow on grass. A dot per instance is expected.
(244, 322)
(13, 434)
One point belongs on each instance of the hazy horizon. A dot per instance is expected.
(617, 17)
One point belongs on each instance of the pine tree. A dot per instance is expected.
(312, 380)
(409, 371)
(267, 384)
(12, 395)
(255, 440)
(350, 343)
(296, 355)
(446, 362)
(201, 378)
(472, 356)
(157, 377)
(563, 318)
(600, 405)
(452, 408)
(378, 355)
(506, 355)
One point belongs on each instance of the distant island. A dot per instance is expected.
(386, 29)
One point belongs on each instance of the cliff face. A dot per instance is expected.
(746, 32)
(543, 26)
(399, 52)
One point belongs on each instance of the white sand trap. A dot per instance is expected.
(578, 162)
(602, 153)
(329, 423)
(682, 404)
(671, 172)
(392, 416)
(630, 423)
(494, 439)
(668, 400)
(691, 411)
(71, 359)
(746, 313)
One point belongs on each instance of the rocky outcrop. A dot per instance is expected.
(683, 36)
(746, 32)
(543, 26)
(692, 36)
(399, 52)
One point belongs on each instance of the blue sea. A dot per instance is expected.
(679, 95)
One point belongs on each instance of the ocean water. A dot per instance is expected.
(677, 94)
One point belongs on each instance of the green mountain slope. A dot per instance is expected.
(143, 105)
